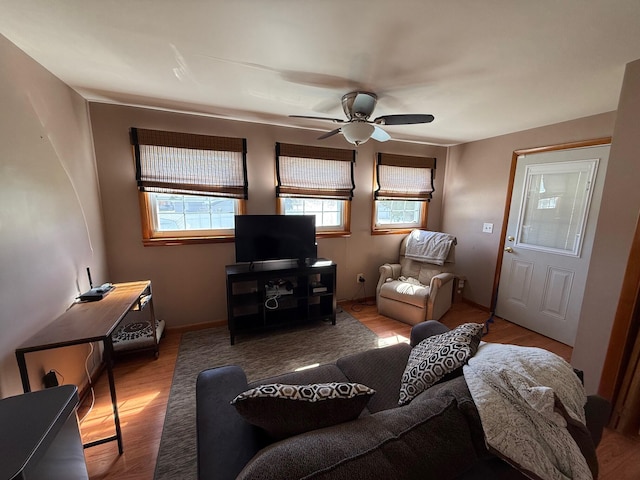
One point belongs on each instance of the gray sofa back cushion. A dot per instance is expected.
(323, 374)
(380, 369)
(423, 440)
(457, 388)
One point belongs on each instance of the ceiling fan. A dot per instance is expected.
(357, 128)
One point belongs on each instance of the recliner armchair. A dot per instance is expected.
(412, 291)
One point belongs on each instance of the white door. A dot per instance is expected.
(552, 218)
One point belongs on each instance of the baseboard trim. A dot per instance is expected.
(197, 326)
(476, 305)
(342, 303)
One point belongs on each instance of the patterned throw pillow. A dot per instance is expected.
(286, 410)
(436, 356)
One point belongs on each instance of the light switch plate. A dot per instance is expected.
(487, 228)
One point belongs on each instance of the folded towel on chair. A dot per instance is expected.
(431, 247)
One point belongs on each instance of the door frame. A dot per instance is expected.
(507, 206)
(618, 370)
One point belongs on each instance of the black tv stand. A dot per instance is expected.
(276, 294)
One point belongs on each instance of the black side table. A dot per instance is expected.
(40, 438)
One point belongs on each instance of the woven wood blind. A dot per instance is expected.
(314, 172)
(403, 177)
(190, 164)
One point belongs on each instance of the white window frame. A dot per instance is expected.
(419, 223)
(188, 232)
(321, 227)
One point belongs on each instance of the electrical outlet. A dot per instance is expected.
(360, 278)
(50, 379)
(487, 227)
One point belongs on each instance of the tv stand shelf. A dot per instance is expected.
(276, 294)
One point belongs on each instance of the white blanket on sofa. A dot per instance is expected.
(431, 247)
(514, 389)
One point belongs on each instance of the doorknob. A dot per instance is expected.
(508, 249)
(511, 238)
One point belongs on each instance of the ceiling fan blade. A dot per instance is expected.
(403, 119)
(335, 120)
(329, 134)
(380, 135)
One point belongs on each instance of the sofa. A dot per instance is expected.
(436, 435)
(413, 291)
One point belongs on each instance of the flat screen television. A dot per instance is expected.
(275, 237)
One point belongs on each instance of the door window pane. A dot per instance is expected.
(555, 206)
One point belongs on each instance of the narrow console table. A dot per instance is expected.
(88, 322)
(275, 294)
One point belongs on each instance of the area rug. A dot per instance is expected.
(260, 356)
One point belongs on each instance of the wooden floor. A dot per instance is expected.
(143, 385)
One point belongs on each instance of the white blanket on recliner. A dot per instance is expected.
(431, 247)
(514, 389)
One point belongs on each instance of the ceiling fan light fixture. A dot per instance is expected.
(357, 129)
(357, 132)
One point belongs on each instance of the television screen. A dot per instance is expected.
(275, 237)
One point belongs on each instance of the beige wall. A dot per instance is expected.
(615, 230)
(188, 280)
(50, 219)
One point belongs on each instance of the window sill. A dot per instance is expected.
(332, 234)
(392, 231)
(170, 241)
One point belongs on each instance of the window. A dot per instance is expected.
(405, 186)
(316, 181)
(329, 213)
(548, 203)
(399, 213)
(191, 186)
(177, 213)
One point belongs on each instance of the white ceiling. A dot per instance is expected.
(483, 68)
